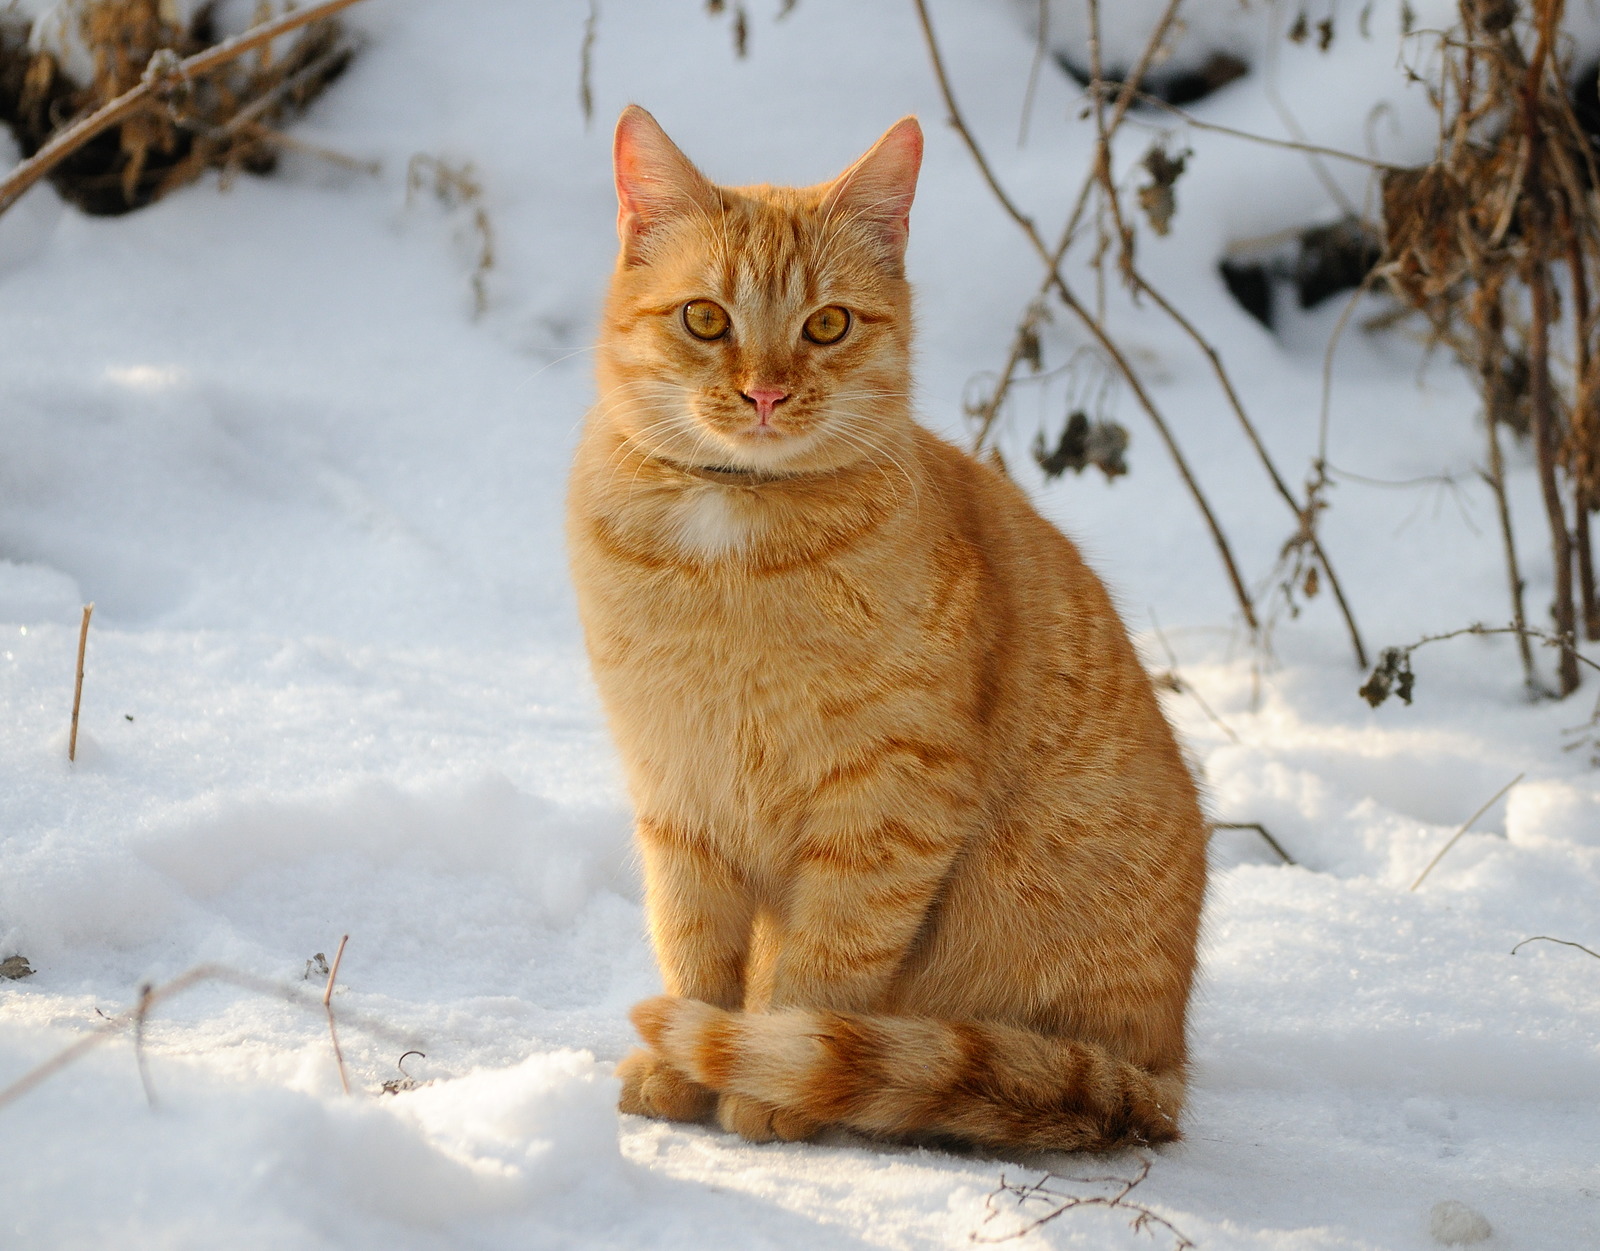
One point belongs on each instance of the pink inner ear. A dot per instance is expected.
(653, 178)
(882, 184)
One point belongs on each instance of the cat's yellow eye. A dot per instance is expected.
(705, 319)
(827, 325)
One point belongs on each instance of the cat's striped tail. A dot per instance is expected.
(901, 1076)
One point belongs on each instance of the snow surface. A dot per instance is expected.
(335, 682)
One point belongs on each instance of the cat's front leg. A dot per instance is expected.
(878, 840)
(700, 918)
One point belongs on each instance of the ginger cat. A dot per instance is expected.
(921, 856)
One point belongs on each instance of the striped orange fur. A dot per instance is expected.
(921, 855)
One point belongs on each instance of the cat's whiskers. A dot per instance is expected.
(858, 437)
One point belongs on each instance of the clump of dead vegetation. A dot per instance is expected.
(228, 118)
(1496, 242)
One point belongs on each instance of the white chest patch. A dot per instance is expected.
(709, 525)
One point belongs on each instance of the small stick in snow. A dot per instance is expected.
(1465, 826)
(327, 1005)
(77, 690)
(140, 1012)
(1545, 938)
(1261, 830)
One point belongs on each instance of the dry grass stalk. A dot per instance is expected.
(77, 688)
(327, 1006)
(163, 88)
(1465, 826)
(1265, 835)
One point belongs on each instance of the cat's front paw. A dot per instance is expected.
(762, 1122)
(652, 1087)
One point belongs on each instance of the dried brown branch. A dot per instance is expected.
(165, 76)
(1545, 938)
(1059, 1203)
(1267, 141)
(327, 1006)
(1465, 826)
(77, 689)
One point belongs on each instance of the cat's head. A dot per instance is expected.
(762, 328)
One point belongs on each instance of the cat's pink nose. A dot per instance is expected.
(765, 399)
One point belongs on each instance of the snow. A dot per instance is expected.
(335, 682)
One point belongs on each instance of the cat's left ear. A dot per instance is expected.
(878, 189)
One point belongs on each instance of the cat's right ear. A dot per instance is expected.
(655, 182)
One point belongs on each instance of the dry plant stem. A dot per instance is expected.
(1259, 829)
(130, 102)
(1292, 145)
(1300, 511)
(1539, 391)
(1465, 826)
(1582, 324)
(1545, 938)
(1187, 688)
(1545, 448)
(591, 25)
(1483, 631)
(327, 1006)
(1054, 279)
(77, 688)
(1246, 606)
(1489, 366)
(1041, 38)
(183, 982)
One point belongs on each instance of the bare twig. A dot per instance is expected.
(186, 981)
(1292, 145)
(327, 1006)
(1144, 1218)
(77, 689)
(159, 79)
(1041, 41)
(1545, 938)
(1259, 829)
(1182, 686)
(1465, 826)
(1305, 514)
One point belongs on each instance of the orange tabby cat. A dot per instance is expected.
(921, 856)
